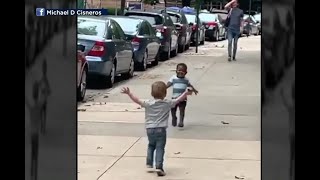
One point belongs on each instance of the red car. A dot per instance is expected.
(82, 72)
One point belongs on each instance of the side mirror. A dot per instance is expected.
(81, 47)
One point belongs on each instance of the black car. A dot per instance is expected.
(165, 30)
(191, 18)
(215, 29)
(106, 48)
(179, 19)
(144, 41)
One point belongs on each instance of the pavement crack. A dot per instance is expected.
(119, 158)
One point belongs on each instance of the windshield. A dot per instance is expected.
(91, 27)
(206, 17)
(153, 20)
(129, 26)
(191, 18)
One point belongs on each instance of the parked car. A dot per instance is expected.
(106, 48)
(250, 25)
(215, 30)
(201, 29)
(82, 72)
(257, 17)
(165, 30)
(144, 41)
(180, 21)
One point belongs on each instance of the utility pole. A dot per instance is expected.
(197, 22)
(250, 7)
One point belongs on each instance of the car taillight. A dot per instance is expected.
(194, 27)
(211, 25)
(163, 29)
(135, 43)
(98, 49)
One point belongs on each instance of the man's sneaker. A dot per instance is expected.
(229, 58)
(174, 122)
(234, 58)
(149, 168)
(160, 172)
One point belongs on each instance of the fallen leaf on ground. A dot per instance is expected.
(106, 96)
(239, 177)
(177, 153)
(82, 110)
(224, 122)
(138, 107)
(126, 110)
(87, 105)
(99, 147)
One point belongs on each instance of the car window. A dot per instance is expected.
(128, 25)
(91, 27)
(144, 30)
(120, 31)
(206, 17)
(115, 32)
(151, 29)
(152, 19)
(184, 19)
(175, 18)
(168, 20)
(191, 18)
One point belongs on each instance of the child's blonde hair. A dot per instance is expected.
(159, 90)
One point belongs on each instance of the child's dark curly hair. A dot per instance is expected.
(182, 65)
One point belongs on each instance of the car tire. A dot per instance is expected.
(81, 90)
(188, 45)
(174, 53)
(216, 36)
(166, 55)
(130, 72)
(156, 59)
(144, 64)
(111, 78)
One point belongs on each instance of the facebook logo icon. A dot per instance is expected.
(40, 12)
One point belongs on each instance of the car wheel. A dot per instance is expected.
(156, 59)
(216, 37)
(188, 45)
(143, 65)
(130, 72)
(81, 91)
(111, 78)
(175, 52)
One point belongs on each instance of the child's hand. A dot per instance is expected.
(193, 90)
(125, 90)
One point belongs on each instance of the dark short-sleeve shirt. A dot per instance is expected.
(235, 20)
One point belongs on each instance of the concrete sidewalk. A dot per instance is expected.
(221, 139)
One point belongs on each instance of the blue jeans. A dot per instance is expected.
(233, 36)
(157, 141)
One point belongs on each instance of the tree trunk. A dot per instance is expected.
(123, 4)
(186, 3)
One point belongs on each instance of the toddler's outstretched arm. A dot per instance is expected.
(135, 99)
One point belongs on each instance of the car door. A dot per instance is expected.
(119, 46)
(186, 27)
(154, 42)
(221, 27)
(126, 47)
(144, 35)
(172, 30)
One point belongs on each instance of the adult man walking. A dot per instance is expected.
(234, 22)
